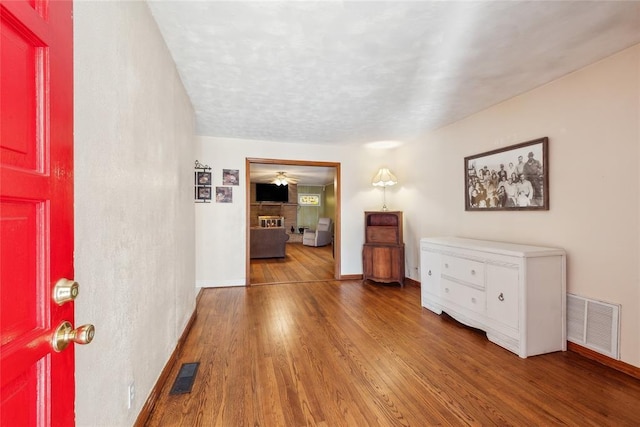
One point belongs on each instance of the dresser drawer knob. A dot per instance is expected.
(429, 273)
(446, 290)
(473, 272)
(501, 297)
(473, 300)
(446, 265)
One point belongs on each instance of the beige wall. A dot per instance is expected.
(134, 213)
(591, 118)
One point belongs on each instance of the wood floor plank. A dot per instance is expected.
(334, 353)
(301, 264)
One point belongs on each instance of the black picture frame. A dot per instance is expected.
(203, 178)
(203, 193)
(486, 189)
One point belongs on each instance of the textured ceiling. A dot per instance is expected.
(359, 71)
(302, 175)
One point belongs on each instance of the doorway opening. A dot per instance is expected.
(314, 175)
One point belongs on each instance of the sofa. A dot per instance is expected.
(268, 242)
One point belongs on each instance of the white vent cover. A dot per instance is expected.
(593, 324)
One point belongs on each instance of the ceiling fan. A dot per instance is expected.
(282, 179)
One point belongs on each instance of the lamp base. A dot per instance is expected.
(384, 199)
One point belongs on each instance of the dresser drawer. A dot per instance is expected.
(465, 296)
(463, 269)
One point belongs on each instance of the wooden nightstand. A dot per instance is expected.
(383, 250)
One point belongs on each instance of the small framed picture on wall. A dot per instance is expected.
(203, 178)
(230, 177)
(224, 195)
(203, 193)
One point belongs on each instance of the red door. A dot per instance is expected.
(36, 212)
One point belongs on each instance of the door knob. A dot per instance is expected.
(65, 290)
(65, 334)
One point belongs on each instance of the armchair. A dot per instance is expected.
(321, 236)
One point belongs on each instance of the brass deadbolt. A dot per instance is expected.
(65, 290)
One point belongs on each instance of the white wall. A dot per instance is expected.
(592, 120)
(221, 227)
(134, 211)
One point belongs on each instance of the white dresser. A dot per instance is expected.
(516, 293)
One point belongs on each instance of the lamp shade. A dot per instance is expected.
(384, 178)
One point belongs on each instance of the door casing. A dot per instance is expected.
(336, 243)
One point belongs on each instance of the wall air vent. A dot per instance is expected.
(593, 324)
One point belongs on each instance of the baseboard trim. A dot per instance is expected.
(408, 281)
(198, 297)
(351, 277)
(150, 404)
(605, 360)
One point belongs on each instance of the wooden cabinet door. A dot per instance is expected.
(381, 259)
(383, 263)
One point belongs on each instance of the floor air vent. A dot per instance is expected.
(593, 324)
(185, 378)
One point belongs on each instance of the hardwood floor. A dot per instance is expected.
(302, 264)
(352, 354)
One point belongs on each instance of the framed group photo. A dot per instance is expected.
(510, 178)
